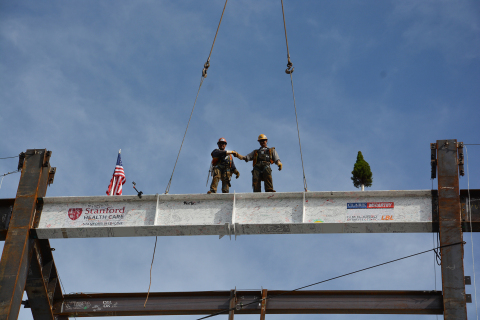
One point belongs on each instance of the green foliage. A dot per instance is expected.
(361, 172)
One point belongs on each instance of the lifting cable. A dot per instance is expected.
(204, 75)
(330, 279)
(289, 71)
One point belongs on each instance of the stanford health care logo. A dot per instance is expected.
(74, 213)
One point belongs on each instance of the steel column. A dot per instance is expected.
(453, 282)
(15, 257)
(233, 303)
(249, 302)
(264, 304)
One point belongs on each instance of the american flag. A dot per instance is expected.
(118, 179)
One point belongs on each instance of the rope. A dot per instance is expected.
(204, 75)
(469, 212)
(151, 266)
(207, 64)
(289, 71)
(343, 275)
(181, 145)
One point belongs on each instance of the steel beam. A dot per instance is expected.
(43, 286)
(410, 223)
(236, 214)
(18, 246)
(453, 282)
(248, 302)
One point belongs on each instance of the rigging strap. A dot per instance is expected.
(289, 71)
(204, 75)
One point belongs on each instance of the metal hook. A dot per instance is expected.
(290, 67)
(205, 68)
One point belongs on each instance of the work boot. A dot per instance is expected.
(270, 190)
(209, 192)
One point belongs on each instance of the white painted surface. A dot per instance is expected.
(244, 213)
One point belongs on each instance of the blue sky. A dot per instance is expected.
(86, 78)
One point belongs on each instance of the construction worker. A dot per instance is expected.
(262, 158)
(223, 166)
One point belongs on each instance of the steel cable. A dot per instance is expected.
(289, 71)
(204, 75)
(181, 145)
(151, 266)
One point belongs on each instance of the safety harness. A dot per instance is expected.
(270, 153)
(216, 161)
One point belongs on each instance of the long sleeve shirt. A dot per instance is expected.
(224, 158)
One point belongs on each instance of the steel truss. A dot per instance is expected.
(27, 263)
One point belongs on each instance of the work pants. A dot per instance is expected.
(262, 173)
(223, 174)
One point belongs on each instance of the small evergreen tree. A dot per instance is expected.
(362, 175)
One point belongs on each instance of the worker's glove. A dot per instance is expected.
(279, 164)
(245, 158)
(237, 174)
(239, 156)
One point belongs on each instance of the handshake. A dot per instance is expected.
(236, 154)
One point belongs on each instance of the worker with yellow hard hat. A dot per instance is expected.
(262, 159)
(222, 166)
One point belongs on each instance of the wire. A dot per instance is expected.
(337, 277)
(290, 71)
(9, 157)
(204, 75)
(151, 266)
(6, 174)
(469, 212)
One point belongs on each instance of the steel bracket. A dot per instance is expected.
(460, 158)
(51, 175)
(46, 158)
(433, 160)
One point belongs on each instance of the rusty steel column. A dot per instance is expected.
(18, 245)
(453, 282)
(233, 303)
(264, 304)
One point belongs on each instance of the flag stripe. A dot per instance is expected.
(118, 179)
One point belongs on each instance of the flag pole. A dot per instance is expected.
(113, 186)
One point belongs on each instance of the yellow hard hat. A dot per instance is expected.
(262, 137)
